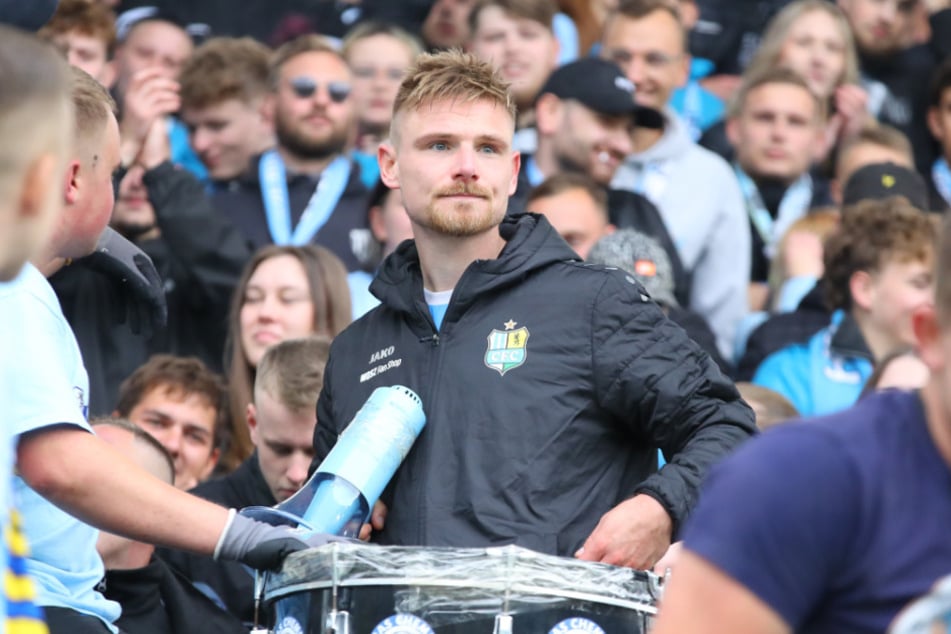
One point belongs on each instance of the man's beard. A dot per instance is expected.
(462, 223)
(299, 144)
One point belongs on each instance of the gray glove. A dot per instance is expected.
(264, 547)
(138, 296)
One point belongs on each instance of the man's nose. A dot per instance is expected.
(888, 11)
(172, 441)
(620, 142)
(466, 163)
(297, 470)
(637, 70)
(201, 140)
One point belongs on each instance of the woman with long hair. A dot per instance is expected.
(285, 292)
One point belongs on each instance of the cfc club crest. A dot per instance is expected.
(507, 348)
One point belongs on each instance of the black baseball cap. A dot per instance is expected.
(884, 180)
(601, 86)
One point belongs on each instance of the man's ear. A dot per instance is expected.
(934, 122)
(210, 466)
(516, 166)
(35, 191)
(251, 413)
(548, 111)
(927, 330)
(72, 182)
(269, 107)
(389, 169)
(861, 291)
(733, 131)
(554, 53)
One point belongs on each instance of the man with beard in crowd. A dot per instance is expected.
(306, 190)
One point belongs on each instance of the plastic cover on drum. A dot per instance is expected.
(448, 584)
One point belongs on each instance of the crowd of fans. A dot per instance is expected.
(772, 172)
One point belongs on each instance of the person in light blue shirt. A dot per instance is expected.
(34, 83)
(878, 272)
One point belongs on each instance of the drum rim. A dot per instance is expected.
(509, 588)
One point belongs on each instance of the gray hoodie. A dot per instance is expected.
(702, 206)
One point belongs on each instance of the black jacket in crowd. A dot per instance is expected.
(231, 582)
(199, 255)
(156, 600)
(532, 448)
(346, 232)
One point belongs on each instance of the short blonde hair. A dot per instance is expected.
(771, 46)
(451, 75)
(93, 106)
(292, 372)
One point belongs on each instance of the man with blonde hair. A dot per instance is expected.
(547, 384)
(775, 124)
(281, 419)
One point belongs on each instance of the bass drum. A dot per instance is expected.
(344, 588)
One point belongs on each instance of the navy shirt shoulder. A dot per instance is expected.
(837, 522)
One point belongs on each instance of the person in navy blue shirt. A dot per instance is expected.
(832, 524)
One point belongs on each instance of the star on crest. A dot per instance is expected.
(510, 324)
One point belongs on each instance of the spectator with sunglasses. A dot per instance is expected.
(307, 190)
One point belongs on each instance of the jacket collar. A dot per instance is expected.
(531, 243)
(847, 339)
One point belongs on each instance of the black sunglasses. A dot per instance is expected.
(305, 87)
